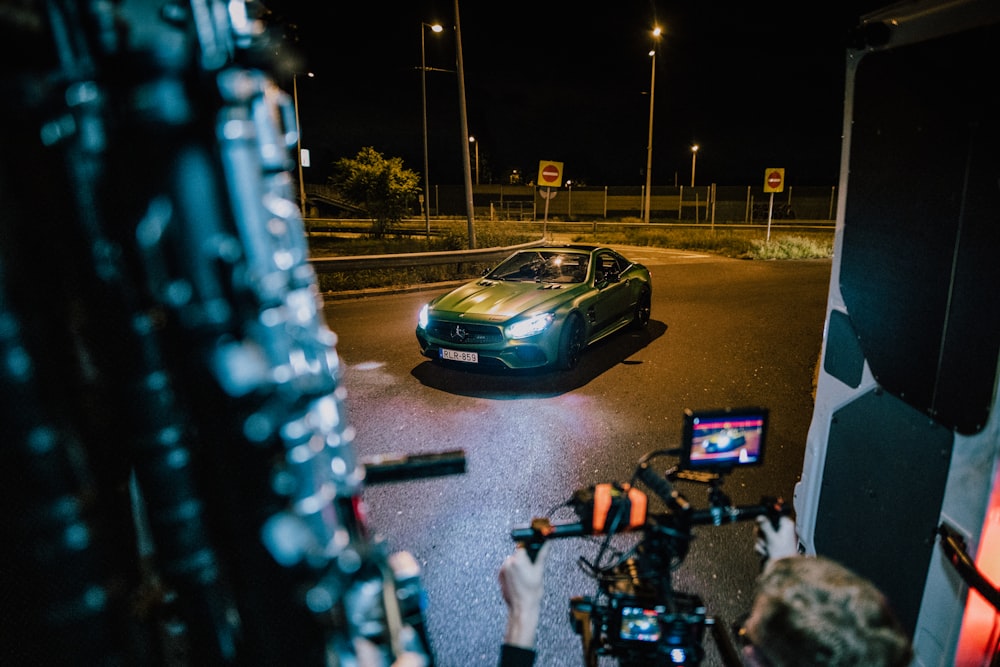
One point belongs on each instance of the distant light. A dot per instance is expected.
(472, 140)
(657, 31)
(436, 28)
(651, 53)
(694, 149)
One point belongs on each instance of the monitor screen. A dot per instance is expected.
(723, 439)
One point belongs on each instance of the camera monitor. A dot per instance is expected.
(723, 439)
(640, 624)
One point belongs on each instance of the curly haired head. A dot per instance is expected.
(815, 612)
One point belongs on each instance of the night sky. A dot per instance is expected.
(754, 84)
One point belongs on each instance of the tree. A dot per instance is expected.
(379, 184)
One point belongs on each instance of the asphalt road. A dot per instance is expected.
(723, 333)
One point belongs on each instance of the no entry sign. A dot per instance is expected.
(550, 174)
(774, 179)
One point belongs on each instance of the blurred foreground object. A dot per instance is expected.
(179, 483)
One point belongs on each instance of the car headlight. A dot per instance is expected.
(423, 316)
(530, 327)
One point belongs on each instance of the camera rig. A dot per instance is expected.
(636, 616)
(180, 483)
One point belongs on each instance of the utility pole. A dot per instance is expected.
(466, 161)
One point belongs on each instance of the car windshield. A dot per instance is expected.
(543, 266)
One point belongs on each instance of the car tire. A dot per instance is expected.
(572, 342)
(642, 309)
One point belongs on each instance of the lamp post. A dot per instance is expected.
(298, 141)
(469, 208)
(423, 91)
(472, 140)
(649, 145)
(694, 158)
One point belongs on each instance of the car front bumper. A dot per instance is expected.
(516, 354)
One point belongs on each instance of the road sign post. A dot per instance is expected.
(547, 194)
(549, 176)
(774, 181)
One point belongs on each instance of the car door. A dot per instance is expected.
(613, 300)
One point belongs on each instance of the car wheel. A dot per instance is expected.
(642, 308)
(571, 343)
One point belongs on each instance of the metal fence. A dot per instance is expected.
(745, 204)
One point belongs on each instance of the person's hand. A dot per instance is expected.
(774, 544)
(521, 586)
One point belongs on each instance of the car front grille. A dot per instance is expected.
(465, 333)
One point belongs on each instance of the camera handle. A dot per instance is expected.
(662, 487)
(541, 528)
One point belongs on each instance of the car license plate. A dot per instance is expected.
(456, 355)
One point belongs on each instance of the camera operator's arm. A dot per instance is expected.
(776, 543)
(521, 580)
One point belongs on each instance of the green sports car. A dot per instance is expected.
(539, 307)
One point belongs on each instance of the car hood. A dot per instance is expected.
(497, 301)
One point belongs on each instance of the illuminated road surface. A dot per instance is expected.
(723, 333)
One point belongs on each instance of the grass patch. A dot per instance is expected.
(792, 247)
(449, 235)
(343, 281)
(739, 244)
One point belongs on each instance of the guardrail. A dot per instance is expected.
(329, 264)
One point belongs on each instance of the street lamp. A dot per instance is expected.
(472, 140)
(649, 146)
(694, 158)
(298, 141)
(423, 91)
